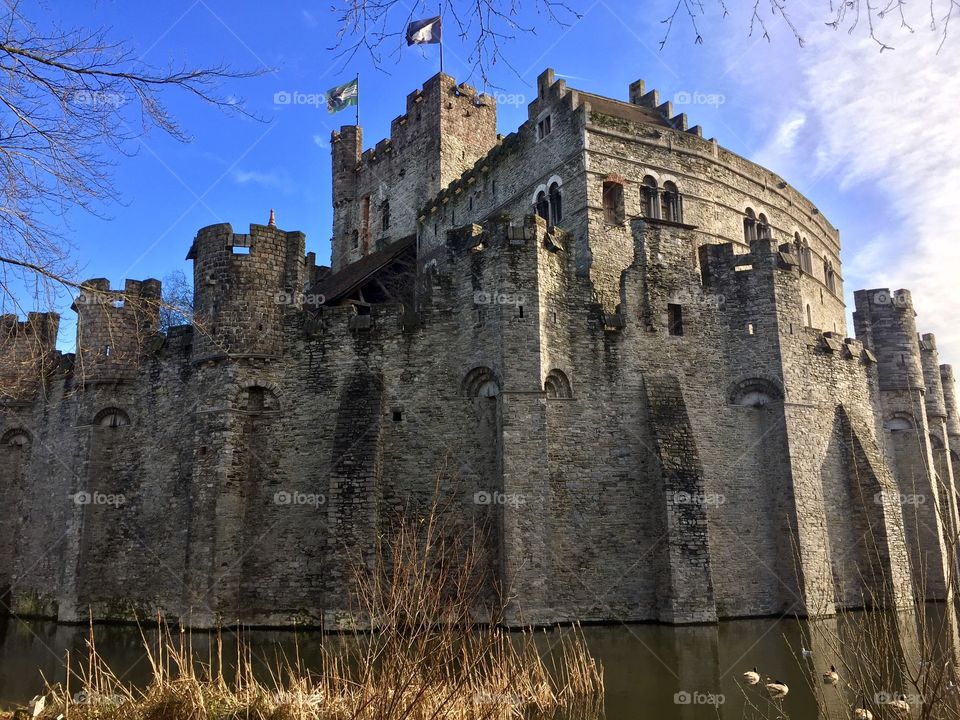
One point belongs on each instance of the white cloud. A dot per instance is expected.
(884, 125)
(271, 179)
(890, 120)
(783, 141)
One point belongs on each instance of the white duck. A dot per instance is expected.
(751, 677)
(861, 713)
(830, 677)
(777, 688)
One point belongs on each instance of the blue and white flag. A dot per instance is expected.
(424, 32)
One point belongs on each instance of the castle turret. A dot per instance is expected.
(933, 385)
(27, 354)
(242, 283)
(113, 326)
(346, 147)
(886, 323)
(376, 193)
(936, 408)
(949, 384)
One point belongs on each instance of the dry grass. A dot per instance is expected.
(425, 657)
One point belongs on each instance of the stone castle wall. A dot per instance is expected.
(647, 419)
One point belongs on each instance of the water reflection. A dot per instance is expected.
(650, 670)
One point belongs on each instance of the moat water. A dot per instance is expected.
(650, 670)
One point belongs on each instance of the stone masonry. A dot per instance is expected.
(615, 345)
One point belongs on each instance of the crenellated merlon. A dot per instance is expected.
(114, 327)
(27, 354)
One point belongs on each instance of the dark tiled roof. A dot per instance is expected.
(335, 286)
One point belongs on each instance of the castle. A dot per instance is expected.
(621, 346)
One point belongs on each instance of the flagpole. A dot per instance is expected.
(440, 7)
(358, 99)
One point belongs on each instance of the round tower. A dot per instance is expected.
(930, 362)
(242, 284)
(346, 148)
(949, 384)
(886, 323)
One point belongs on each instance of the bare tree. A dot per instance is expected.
(71, 101)
(376, 26)
(486, 26)
(177, 301)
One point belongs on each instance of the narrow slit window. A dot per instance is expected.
(674, 319)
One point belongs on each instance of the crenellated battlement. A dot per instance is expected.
(242, 284)
(446, 128)
(40, 325)
(113, 327)
(28, 353)
(885, 322)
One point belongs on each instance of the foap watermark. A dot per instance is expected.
(698, 698)
(683, 497)
(485, 297)
(882, 297)
(296, 97)
(496, 497)
(889, 496)
(98, 498)
(885, 698)
(511, 99)
(699, 98)
(698, 297)
(299, 298)
(98, 98)
(296, 498)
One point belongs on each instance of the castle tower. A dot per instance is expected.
(113, 326)
(936, 408)
(242, 282)
(950, 402)
(27, 354)
(885, 322)
(377, 194)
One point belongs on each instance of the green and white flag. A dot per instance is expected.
(343, 96)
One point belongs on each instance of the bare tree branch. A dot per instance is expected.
(70, 101)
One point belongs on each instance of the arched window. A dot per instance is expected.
(749, 225)
(755, 392)
(671, 203)
(613, 202)
(806, 258)
(355, 239)
(763, 227)
(556, 206)
(480, 382)
(651, 203)
(385, 215)
(829, 276)
(557, 385)
(112, 418)
(17, 439)
(898, 423)
(542, 206)
(809, 316)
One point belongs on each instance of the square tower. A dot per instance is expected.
(377, 193)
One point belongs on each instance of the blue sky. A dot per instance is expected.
(870, 138)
